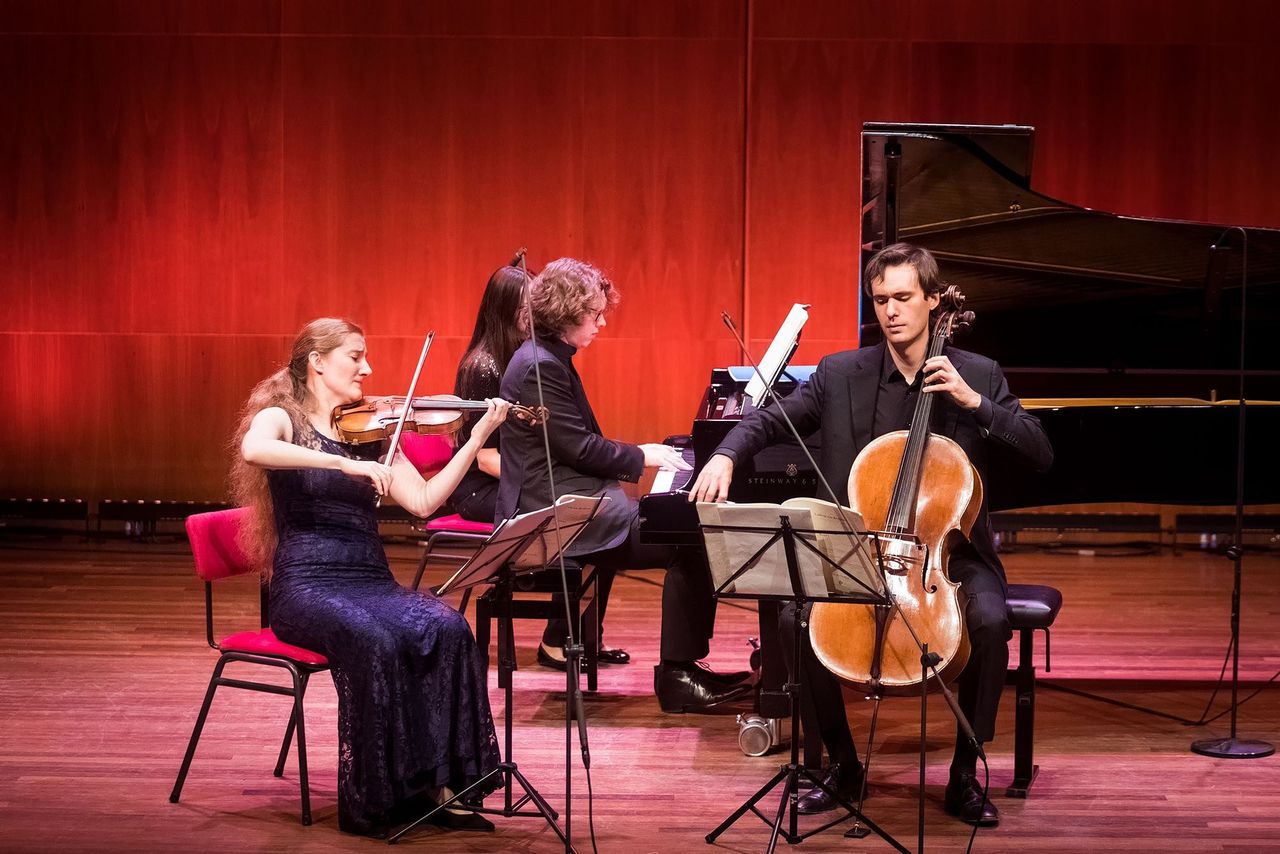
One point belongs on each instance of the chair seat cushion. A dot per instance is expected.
(1033, 606)
(265, 642)
(454, 522)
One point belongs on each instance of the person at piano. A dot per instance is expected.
(569, 301)
(855, 396)
(496, 336)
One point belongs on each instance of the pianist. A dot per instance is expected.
(569, 300)
(855, 396)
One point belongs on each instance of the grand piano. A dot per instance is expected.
(1123, 334)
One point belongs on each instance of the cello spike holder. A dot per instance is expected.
(858, 831)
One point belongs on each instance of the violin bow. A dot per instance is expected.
(408, 399)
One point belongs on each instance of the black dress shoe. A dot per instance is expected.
(604, 655)
(462, 821)
(846, 781)
(687, 687)
(546, 659)
(733, 678)
(964, 800)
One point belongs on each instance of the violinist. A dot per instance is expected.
(854, 397)
(496, 336)
(570, 300)
(413, 711)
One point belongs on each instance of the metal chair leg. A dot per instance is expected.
(195, 733)
(299, 688)
(422, 564)
(484, 614)
(590, 629)
(288, 732)
(1024, 767)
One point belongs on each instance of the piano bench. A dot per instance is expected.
(493, 609)
(1032, 607)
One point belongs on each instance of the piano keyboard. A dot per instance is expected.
(670, 480)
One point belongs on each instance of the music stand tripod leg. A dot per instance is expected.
(506, 768)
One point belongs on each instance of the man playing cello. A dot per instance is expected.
(855, 396)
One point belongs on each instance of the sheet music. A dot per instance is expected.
(780, 350)
(852, 553)
(573, 512)
(727, 551)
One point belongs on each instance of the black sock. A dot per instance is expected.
(964, 763)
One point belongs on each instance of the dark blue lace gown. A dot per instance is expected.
(413, 712)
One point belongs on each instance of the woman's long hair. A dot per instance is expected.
(497, 334)
(287, 389)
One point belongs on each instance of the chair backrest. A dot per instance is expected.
(214, 546)
(428, 453)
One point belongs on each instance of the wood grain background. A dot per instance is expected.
(183, 184)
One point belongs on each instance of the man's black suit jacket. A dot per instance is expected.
(839, 401)
(583, 461)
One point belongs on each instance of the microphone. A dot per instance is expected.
(932, 660)
(581, 713)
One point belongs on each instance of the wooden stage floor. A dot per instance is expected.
(103, 665)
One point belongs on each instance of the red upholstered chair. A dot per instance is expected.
(429, 454)
(218, 556)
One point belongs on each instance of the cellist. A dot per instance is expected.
(855, 396)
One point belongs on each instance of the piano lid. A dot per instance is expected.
(1072, 300)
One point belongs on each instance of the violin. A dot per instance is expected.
(919, 491)
(374, 419)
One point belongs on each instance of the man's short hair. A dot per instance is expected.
(563, 292)
(897, 254)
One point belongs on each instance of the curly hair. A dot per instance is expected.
(287, 389)
(562, 294)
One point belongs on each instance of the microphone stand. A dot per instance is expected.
(573, 648)
(1233, 747)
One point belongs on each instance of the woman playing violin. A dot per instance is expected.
(413, 713)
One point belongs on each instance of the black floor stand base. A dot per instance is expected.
(1233, 748)
(507, 772)
(789, 775)
(510, 809)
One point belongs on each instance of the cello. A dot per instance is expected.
(920, 493)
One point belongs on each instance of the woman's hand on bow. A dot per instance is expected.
(376, 473)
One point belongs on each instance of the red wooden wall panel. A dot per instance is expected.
(183, 184)
(809, 100)
(662, 213)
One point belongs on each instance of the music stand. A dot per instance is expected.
(518, 546)
(743, 570)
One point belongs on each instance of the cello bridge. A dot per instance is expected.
(901, 553)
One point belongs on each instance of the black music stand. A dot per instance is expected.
(803, 588)
(519, 546)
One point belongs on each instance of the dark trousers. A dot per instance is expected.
(688, 608)
(479, 505)
(980, 684)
